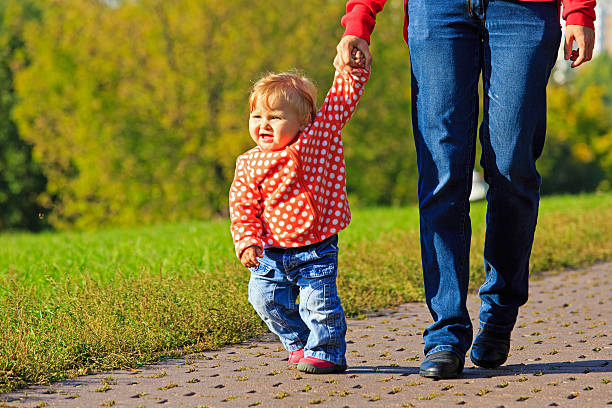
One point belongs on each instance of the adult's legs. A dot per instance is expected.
(445, 44)
(521, 40)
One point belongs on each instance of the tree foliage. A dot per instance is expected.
(137, 112)
(21, 179)
(137, 109)
(578, 153)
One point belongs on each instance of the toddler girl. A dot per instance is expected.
(287, 204)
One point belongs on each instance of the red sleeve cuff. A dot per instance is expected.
(245, 243)
(359, 22)
(580, 18)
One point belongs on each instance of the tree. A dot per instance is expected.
(137, 111)
(380, 153)
(21, 178)
(578, 153)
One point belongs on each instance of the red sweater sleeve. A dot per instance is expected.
(579, 12)
(360, 17)
(245, 210)
(323, 135)
(340, 102)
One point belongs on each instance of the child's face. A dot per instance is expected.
(274, 128)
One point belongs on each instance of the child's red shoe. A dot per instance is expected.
(296, 356)
(315, 365)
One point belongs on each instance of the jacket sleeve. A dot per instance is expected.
(360, 17)
(323, 136)
(245, 210)
(341, 100)
(579, 12)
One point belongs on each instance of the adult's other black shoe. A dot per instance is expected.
(490, 349)
(443, 364)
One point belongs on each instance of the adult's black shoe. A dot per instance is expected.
(443, 364)
(490, 349)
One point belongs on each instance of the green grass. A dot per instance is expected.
(75, 303)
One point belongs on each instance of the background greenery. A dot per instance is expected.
(131, 112)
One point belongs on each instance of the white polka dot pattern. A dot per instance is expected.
(297, 196)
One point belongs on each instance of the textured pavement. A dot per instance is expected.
(561, 355)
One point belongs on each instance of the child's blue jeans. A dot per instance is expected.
(317, 324)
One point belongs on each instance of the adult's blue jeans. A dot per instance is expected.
(317, 324)
(514, 45)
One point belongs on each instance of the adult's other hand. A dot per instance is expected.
(585, 41)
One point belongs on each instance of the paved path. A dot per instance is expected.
(561, 355)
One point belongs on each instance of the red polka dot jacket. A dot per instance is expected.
(297, 196)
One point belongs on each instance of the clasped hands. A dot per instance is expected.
(353, 53)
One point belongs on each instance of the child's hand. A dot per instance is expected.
(358, 58)
(250, 255)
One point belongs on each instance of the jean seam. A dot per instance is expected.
(331, 324)
(465, 212)
(484, 15)
(284, 261)
(330, 319)
(487, 152)
(298, 339)
(279, 316)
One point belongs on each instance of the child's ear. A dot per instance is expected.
(306, 122)
(303, 125)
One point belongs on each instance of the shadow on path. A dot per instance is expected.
(562, 367)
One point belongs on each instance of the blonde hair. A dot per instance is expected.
(289, 88)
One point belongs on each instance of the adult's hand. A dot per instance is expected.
(585, 41)
(250, 255)
(344, 61)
